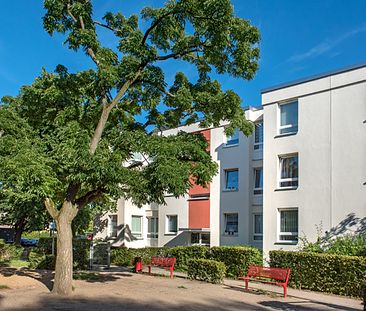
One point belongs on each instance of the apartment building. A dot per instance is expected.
(303, 169)
(314, 158)
(227, 212)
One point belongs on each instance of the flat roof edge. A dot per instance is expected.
(314, 77)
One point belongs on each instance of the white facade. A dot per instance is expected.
(240, 203)
(306, 170)
(330, 142)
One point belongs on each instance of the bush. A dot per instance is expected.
(9, 252)
(323, 272)
(41, 258)
(185, 253)
(206, 270)
(124, 256)
(237, 259)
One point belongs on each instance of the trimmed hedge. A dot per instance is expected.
(335, 274)
(206, 270)
(236, 258)
(124, 256)
(41, 258)
(185, 253)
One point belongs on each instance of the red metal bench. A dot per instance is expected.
(276, 276)
(166, 263)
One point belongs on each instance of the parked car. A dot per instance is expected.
(28, 242)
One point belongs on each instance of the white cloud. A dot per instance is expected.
(327, 45)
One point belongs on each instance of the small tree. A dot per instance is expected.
(87, 121)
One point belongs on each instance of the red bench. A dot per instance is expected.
(166, 263)
(276, 276)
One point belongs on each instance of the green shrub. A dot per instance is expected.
(41, 256)
(206, 270)
(185, 253)
(9, 251)
(237, 259)
(124, 256)
(349, 245)
(323, 272)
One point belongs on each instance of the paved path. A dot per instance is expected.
(122, 291)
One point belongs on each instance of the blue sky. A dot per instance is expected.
(299, 39)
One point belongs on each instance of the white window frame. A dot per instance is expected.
(226, 179)
(135, 233)
(256, 234)
(153, 234)
(111, 227)
(231, 233)
(259, 190)
(281, 180)
(286, 126)
(167, 231)
(279, 232)
(258, 145)
(229, 139)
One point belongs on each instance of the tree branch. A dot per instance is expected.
(106, 26)
(89, 197)
(154, 25)
(178, 55)
(50, 206)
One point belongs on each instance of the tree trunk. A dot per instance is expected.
(64, 259)
(19, 228)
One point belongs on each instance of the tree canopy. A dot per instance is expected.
(77, 131)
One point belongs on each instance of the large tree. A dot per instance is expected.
(87, 123)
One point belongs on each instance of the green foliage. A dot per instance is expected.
(9, 252)
(124, 256)
(323, 272)
(50, 144)
(350, 245)
(40, 257)
(185, 253)
(236, 258)
(206, 270)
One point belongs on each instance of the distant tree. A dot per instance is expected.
(21, 174)
(86, 122)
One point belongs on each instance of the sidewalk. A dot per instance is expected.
(295, 300)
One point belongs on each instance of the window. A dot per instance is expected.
(232, 179)
(258, 180)
(200, 238)
(112, 224)
(231, 224)
(289, 171)
(233, 139)
(289, 226)
(258, 227)
(288, 118)
(152, 227)
(136, 226)
(258, 136)
(172, 223)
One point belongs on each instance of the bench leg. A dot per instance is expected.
(149, 269)
(284, 291)
(246, 284)
(171, 273)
